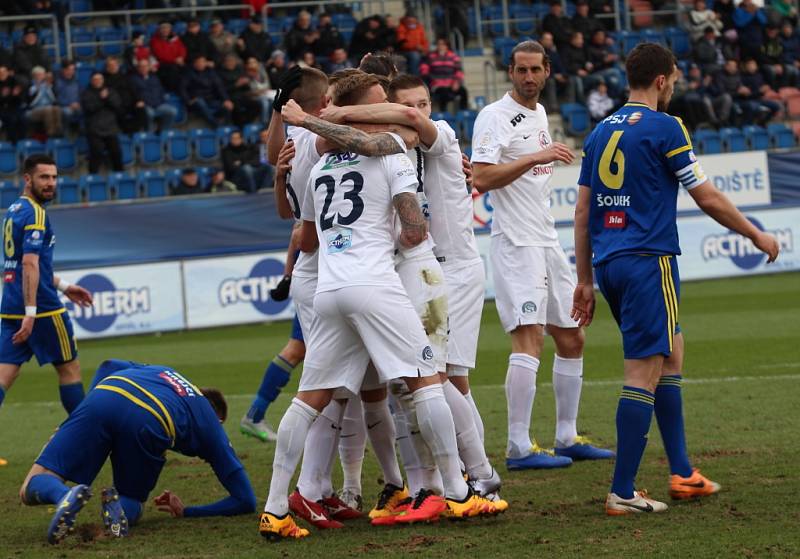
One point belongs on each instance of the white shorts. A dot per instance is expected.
(533, 285)
(302, 290)
(466, 286)
(359, 323)
(423, 280)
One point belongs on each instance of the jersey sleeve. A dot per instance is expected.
(585, 178)
(33, 229)
(680, 155)
(216, 448)
(401, 174)
(488, 139)
(445, 137)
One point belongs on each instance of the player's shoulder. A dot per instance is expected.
(27, 209)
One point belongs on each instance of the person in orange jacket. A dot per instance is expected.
(412, 42)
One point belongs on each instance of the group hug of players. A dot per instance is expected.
(388, 289)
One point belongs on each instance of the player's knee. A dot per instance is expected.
(570, 342)
(69, 372)
(8, 374)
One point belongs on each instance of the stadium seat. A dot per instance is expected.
(112, 41)
(64, 153)
(29, 147)
(450, 118)
(124, 186)
(733, 139)
(576, 119)
(224, 134)
(251, 132)
(206, 147)
(780, 135)
(173, 177)
(653, 36)
(524, 18)
(126, 146)
(95, 187)
(86, 50)
(9, 192)
(628, 40)
(149, 147)
(83, 71)
(236, 26)
(467, 121)
(154, 183)
(82, 145)
(176, 144)
(708, 141)
(204, 176)
(503, 47)
(788, 92)
(9, 162)
(678, 40)
(68, 191)
(176, 102)
(757, 137)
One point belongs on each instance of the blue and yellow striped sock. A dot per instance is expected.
(275, 377)
(634, 413)
(669, 414)
(71, 395)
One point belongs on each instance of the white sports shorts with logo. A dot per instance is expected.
(423, 280)
(302, 290)
(359, 323)
(533, 285)
(466, 286)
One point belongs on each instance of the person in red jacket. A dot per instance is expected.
(170, 52)
(442, 70)
(412, 42)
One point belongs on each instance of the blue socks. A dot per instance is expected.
(275, 377)
(132, 508)
(2, 395)
(71, 395)
(45, 489)
(634, 413)
(669, 414)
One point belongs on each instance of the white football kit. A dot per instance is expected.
(532, 278)
(363, 310)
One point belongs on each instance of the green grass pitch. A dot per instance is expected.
(741, 405)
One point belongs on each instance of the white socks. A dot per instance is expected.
(470, 447)
(381, 432)
(352, 442)
(323, 437)
(420, 467)
(436, 425)
(567, 381)
(520, 392)
(292, 434)
(476, 415)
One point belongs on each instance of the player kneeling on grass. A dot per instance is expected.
(135, 413)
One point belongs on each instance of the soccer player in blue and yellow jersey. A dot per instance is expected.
(34, 320)
(634, 163)
(135, 413)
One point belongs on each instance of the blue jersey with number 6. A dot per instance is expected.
(634, 162)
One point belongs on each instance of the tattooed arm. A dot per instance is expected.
(413, 228)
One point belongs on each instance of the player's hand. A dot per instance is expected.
(24, 332)
(467, 167)
(768, 244)
(292, 113)
(291, 81)
(79, 295)
(169, 502)
(333, 114)
(284, 158)
(583, 304)
(556, 152)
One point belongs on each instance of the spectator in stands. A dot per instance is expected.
(576, 60)
(784, 10)
(763, 104)
(302, 37)
(368, 36)
(329, 39)
(558, 24)
(442, 70)
(218, 182)
(775, 71)
(224, 41)
(242, 165)
(791, 49)
(258, 84)
(11, 105)
(558, 84)
(337, 61)
(170, 52)
(604, 60)
(29, 53)
(718, 107)
(137, 50)
(389, 38)
(707, 53)
(152, 98)
(130, 117)
(6, 58)
(276, 68)
(585, 23)
(42, 108)
(411, 41)
(750, 21)
(254, 41)
(380, 64)
(308, 60)
(101, 105)
(198, 43)
(189, 183)
(599, 103)
(724, 10)
(203, 92)
(68, 94)
(688, 103)
(700, 19)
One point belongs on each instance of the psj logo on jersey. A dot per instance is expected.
(741, 250)
(254, 288)
(109, 303)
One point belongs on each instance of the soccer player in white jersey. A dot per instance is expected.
(513, 157)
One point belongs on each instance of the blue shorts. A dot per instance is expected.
(107, 423)
(297, 332)
(51, 341)
(643, 292)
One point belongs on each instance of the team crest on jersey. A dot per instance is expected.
(340, 240)
(528, 307)
(634, 118)
(339, 160)
(427, 353)
(35, 235)
(544, 139)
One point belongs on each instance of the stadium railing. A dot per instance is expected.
(53, 35)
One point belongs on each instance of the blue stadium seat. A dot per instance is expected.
(84, 71)
(82, 145)
(576, 119)
(95, 187)
(653, 36)
(126, 147)
(154, 183)
(9, 192)
(236, 26)
(708, 141)
(495, 13)
(83, 51)
(176, 143)
(525, 17)
(780, 135)
(467, 121)
(112, 41)
(450, 118)
(251, 132)
(29, 147)
(124, 185)
(9, 162)
(503, 47)
(678, 40)
(733, 139)
(176, 102)
(757, 137)
(80, 6)
(204, 176)
(206, 147)
(275, 25)
(173, 177)
(68, 191)
(64, 153)
(224, 134)
(149, 147)
(628, 40)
